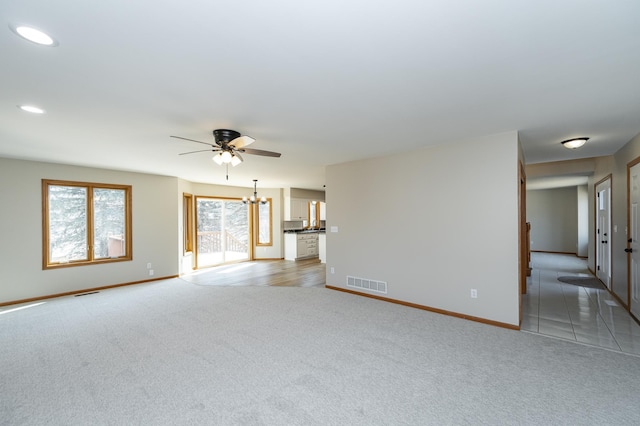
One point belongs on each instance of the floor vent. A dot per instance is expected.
(367, 284)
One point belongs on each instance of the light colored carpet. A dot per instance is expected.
(172, 352)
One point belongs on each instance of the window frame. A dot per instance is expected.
(188, 221)
(250, 236)
(270, 242)
(90, 187)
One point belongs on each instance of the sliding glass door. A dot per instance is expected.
(222, 231)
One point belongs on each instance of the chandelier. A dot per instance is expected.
(254, 198)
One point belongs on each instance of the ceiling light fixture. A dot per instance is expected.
(34, 35)
(574, 143)
(226, 157)
(32, 109)
(254, 198)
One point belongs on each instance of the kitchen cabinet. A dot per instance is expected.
(301, 248)
(296, 209)
(312, 245)
(323, 210)
(290, 246)
(300, 245)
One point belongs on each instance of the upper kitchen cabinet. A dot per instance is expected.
(297, 209)
(323, 210)
(297, 203)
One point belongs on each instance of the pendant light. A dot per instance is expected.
(254, 198)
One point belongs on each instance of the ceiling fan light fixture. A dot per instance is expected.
(226, 157)
(574, 143)
(228, 146)
(235, 160)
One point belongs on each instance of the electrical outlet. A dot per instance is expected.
(474, 293)
(150, 272)
(333, 270)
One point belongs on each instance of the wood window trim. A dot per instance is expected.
(90, 186)
(270, 242)
(188, 222)
(316, 216)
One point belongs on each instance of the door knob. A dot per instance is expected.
(629, 250)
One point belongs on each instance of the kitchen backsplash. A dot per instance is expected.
(292, 225)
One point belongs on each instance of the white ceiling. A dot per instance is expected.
(322, 82)
(555, 182)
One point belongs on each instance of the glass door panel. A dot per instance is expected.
(222, 231)
(236, 231)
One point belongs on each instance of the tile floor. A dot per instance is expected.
(567, 311)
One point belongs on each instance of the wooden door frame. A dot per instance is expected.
(523, 258)
(195, 229)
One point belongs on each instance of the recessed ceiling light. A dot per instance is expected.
(34, 35)
(31, 109)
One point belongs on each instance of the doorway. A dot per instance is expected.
(633, 241)
(603, 231)
(223, 233)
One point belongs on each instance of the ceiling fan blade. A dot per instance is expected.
(192, 140)
(260, 152)
(200, 150)
(242, 141)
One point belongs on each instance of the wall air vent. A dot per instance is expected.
(367, 284)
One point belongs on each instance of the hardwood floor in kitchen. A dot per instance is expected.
(283, 273)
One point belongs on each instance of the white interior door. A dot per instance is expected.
(603, 248)
(634, 239)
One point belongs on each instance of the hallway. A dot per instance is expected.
(566, 311)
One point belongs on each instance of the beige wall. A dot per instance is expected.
(553, 214)
(306, 194)
(433, 223)
(157, 229)
(155, 226)
(583, 220)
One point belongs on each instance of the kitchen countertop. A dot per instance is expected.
(304, 231)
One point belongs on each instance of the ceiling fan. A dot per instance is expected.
(228, 146)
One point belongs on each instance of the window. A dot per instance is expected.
(85, 223)
(187, 218)
(265, 225)
(313, 214)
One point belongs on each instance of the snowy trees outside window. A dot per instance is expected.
(85, 223)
